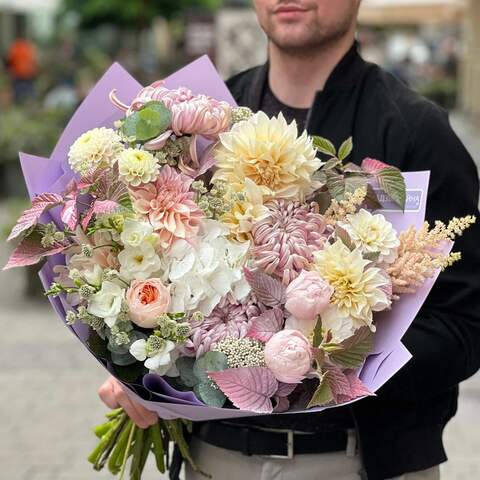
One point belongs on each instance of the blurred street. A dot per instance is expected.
(49, 403)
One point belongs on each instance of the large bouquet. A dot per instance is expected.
(220, 263)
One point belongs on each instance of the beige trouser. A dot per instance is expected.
(227, 465)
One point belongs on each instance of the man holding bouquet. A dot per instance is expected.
(316, 76)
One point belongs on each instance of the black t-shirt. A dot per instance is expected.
(272, 106)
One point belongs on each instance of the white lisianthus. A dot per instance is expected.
(359, 289)
(137, 166)
(96, 148)
(107, 302)
(202, 274)
(93, 275)
(159, 360)
(135, 232)
(372, 233)
(138, 262)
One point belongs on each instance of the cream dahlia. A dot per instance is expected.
(137, 166)
(284, 242)
(269, 152)
(372, 233)
(169, 206)
(247, 208)
(97, 148)
(359, 289)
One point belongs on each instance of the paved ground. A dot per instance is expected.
(48, 399)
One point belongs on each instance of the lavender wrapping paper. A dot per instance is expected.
(53, 175)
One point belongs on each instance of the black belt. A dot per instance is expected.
(273, 443)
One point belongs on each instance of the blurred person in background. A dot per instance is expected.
(22, 66)
(316, 76)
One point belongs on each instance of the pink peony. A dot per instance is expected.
(288, 354)
(147, 300)
(307, 296)
(168, 205)
(284, 242)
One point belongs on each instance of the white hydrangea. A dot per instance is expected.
(96, 148)
(203, 273)
(137, 166)
(372, 233)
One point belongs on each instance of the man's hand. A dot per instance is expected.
(113, 396)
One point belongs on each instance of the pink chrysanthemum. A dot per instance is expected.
(168, 205)
(285, 240)
(230, 318)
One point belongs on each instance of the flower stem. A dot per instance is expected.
(127, 451)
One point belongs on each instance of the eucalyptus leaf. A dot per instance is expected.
(97, 345)
(210, 362)
(210, 394)
(123, 359)
(185, 367)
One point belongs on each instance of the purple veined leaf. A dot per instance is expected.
(285, 389)
(99, 207)
(30, 251)
(266, 325)
(268, 290)
(370, 165)
(69, 214)
(248, 388)
(40, 204)
(345, 385)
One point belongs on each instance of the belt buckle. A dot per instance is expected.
(290, 445)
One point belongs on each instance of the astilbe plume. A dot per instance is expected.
(284, 242)
(338, 210)
(230, 318)
(420, 255)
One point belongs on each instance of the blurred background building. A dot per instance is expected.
(51, 54)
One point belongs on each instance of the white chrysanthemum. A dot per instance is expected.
(204, 273)
(269, 152)
(96, 148)
(137, 166)
(359, 289)
(372, 233)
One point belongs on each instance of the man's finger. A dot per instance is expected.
(107, 395)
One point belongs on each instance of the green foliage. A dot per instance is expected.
(323, 394)
(130, 13)
(353, 350)
(148, 122)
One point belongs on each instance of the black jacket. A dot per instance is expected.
(400, 430)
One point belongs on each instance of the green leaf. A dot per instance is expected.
(129, 126)
(343, 235)
(332, 163)
(335, 184)
(185, 367)
(210, 394)
(325, 146)
(355, 349)
(372, 256)
(345, 149)
(317, 333)
(392, 182)
(98, 345)
(355, 180)
(371, 200)
(123, 359)
(323, 394)
(210, 362)
(130, 373)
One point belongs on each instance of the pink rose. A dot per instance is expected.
(147, 300)
(307, 297)
(288, 354)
